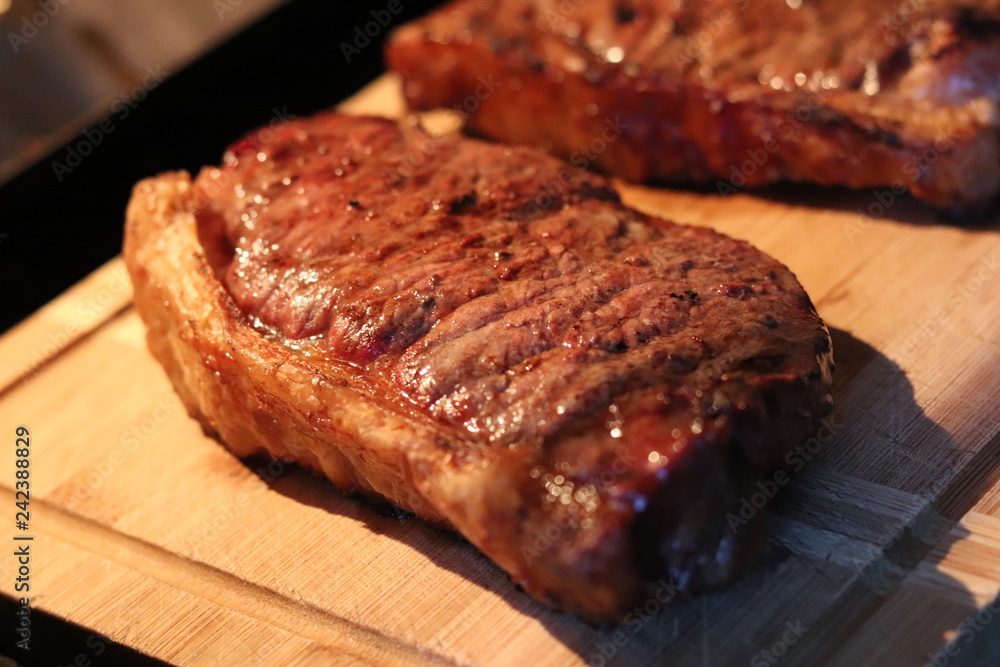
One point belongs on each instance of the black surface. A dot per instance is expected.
(56, 642)
(53, 233)
(291, 62)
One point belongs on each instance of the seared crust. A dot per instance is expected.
(635, 485)
(257, 396)
(745, 93)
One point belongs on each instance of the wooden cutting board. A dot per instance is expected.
(152, 534)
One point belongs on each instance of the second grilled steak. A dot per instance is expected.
(736, 93)
(487, 337)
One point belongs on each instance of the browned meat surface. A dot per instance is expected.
(741, 92)
(487, 337)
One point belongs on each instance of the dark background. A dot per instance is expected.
(57, 232)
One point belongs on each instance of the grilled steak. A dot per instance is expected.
(736, 93)
(487, 337)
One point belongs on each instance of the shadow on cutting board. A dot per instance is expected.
(56, 641)
(876, 204)
(845, 532)
(868, 205)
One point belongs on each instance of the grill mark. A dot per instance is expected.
(480, 316)
(536, 321)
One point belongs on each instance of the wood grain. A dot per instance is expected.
(151, 533)
(56, 327)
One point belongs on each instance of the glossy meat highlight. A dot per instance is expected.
(489, 338)
(733, 93)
